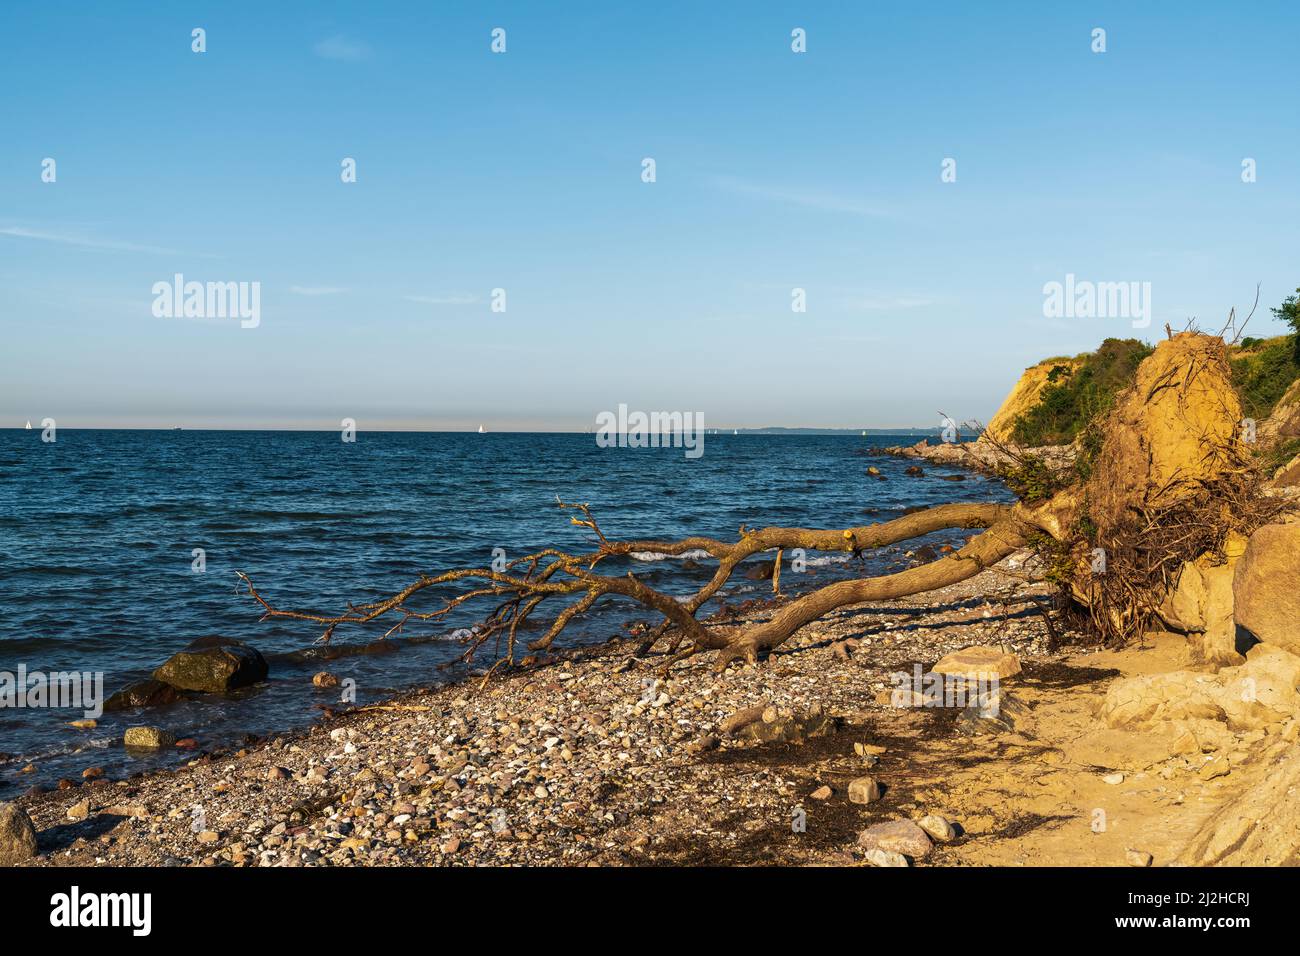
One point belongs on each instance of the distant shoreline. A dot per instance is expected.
(720, 431)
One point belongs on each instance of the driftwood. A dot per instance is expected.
(528, 582)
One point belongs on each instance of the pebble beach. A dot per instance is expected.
(591, 758)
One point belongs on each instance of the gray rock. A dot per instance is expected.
(897, 836)
(878, 857)
(864, 790)
(937, 828)
(17, 835)
(1137, 858)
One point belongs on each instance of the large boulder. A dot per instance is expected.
(1263, 691)
(979, 662)
(1184, 606)
(17, 835)
(1201, 605)
(794, 729)
(213, 665)
(1266, 586)
(1145, 701)
(1259, 694)
(981, 455)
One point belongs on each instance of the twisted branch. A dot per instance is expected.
(528, 581)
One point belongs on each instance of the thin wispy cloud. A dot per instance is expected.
(342, 48)
(316, 290)
(809, 199)
(83, 242)
(463, 299)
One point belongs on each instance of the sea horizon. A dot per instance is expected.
(774, 430)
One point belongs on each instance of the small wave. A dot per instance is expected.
(50, 752)
(694, 555)
(824, 560)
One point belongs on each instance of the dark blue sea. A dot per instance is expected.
(97, 532)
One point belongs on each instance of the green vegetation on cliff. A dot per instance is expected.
(1262, 370)
(1079, 391)
(1071, 399)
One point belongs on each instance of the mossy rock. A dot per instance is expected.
(148, 738)
(213, 665)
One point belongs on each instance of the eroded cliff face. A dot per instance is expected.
(1023, 397)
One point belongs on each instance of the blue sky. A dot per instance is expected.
(522, 171)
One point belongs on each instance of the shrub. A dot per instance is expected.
(1263, 373)
(1073, 398)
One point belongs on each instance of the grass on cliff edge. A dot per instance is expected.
(1262, 371)
(1072, 399)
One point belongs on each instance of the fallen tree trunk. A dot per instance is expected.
(981, 552)
(529, 581)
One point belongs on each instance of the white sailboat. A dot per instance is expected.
(482, 430)
(29, 426)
